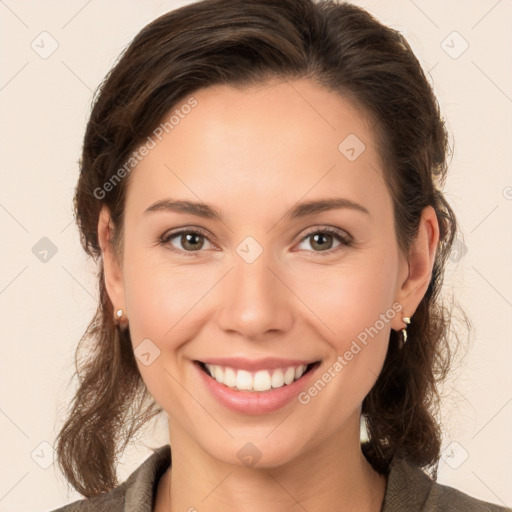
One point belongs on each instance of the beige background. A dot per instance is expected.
(46, 306)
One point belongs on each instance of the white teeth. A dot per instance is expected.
(217, 374)
(277, 379)
(243, 380)
(262, 380)
(299, 371)
(289, 375)
(230, 377)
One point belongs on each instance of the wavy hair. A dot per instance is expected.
(240, 43)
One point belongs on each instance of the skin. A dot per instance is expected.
(252, 154)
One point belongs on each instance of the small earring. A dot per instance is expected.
(406, 320)
(120, 319)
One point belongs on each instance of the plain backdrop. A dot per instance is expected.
(47, 298)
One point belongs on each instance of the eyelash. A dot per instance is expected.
(344, 239)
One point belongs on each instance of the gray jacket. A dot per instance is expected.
(408, 490)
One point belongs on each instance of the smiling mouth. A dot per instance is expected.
(258, 381)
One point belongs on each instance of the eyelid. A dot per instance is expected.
(168, 235)
(344, 237)
(188, 229)
(341, 233)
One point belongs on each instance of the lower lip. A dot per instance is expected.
(255, 402)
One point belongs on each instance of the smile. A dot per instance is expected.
(259, 381)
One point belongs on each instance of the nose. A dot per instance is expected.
(254, 300)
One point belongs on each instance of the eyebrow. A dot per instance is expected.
(301, 210)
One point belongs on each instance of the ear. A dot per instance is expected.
(418, 270)
(112, 267)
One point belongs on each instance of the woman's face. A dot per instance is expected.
(270, 275)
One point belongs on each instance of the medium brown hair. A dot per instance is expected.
(340, 47)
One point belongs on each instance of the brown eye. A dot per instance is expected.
(185, 241)
(322, 240)
(191, 241)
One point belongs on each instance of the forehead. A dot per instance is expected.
(271, 143)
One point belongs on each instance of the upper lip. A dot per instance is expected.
(267, 363)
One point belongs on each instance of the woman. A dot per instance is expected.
(260, 183)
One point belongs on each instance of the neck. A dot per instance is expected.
(332, 476)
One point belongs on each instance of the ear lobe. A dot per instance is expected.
(112, 267)
(421, 262)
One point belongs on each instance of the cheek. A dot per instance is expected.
(343, 300)
(163, 302)
(341, 306)
(159, 297)
(166, 305)
(352, 306)
(351, 297)
(355, 307)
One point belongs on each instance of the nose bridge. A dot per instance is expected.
(253, 300)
